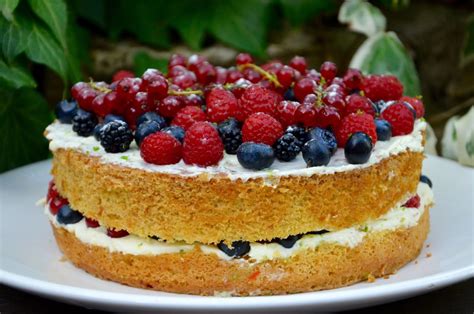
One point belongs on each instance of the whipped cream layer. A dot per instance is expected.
(61, 136)
(398, 217)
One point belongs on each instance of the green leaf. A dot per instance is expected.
(54, 14)
(90, 10)
(362, 17)
(143, 61)
(15, 76)
(385, 54)
(7, 7)
(24, 114)
(301, 11)
(13, 36)
(43, 48)
(241, 24)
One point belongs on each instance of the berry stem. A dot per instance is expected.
(98, 88)
(185, 92)
(258, 69)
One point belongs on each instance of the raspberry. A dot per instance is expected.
(413, 202)
(356, 122)
(259, 99)
(161, 149)
(56, 203)
(114, 233)
(382, 87)
(52, 191)
(187, 116)
(202, 145)
(261, 128)
(115, 137)
(286, 112)
(352, 79)
(121, 75)
(400, 117)
(221, 105)
(356, 102)
(417, 104)
(91, 223)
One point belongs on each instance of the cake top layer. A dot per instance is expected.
(274, 119)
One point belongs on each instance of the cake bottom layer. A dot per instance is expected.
(194, 272)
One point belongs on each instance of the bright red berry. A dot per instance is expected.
(299, 63)
(286, 112)
(151, 75)
(121, 75)
(114, 233)
(352, 79)
(85, 98)
(157, 89)
(233, 76)
(304, 87)
(169, 106)
(194, 61)
(221, 105)
(285, 76)
(76, 88)
(400, 116)
(205, 73)
(185, 80)
(221, 75)
(413, 202)
(52, 191)
(187, 116)
(328, 70)
(91, 223)
(56, 203)
(177, 70)
(356, 122)
(382, 87)
(161, 149)
(138, 106)
(243, 58)
(336, 100)
(259, 99)
(252, 75)
(202, 145)
(100, 107)
(192, 100)
(416, 104)
(272, 66)
(356, 103)
(129, 87)
(261, 128)
(176, 59)
(114, 102)
(327, 116)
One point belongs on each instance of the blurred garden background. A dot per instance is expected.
(47, 45)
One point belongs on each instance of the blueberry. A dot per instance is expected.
(316, 153)
(176, 131)
(97, 130)
(287, 147)
(115, 137)
(289, 95)
(231, 135)
(152, 116)
(358, 148)
(65, 111)
(288, 242)
(66, 215)
(326, 136)
(112, 117)
(299, 132)
(84, 123)
(384, 129)
(426, 180)
(380, 106)
(255, 156)
(144, 129)
(238, 248)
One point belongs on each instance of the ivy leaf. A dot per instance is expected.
(15, 76)
(24, 114)
(43, 48)
(385, 54)
(7, 7)
(300, 11)
(13, 36)
(54, 14)
(191, 19)
(90, 10)
(143, 61)
(242, 24)
(362, 17)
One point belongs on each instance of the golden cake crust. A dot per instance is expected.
(196, 209)
(329, 266)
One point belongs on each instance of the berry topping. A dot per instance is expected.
(358, 148)
(127, 88)
(286, 112)
(316, 153)
(259, 99)
(157, 89)
(326, 137)
(161, 149)
(288, 242)
(353, 79)
(112, 117)
(66, 215)
(285, 76)
(261, 128)
(384, 130)
(231, 135)
(144, 129)
(114, 233)
(289, 95)
(287, 147)
(152, 116)
(382, 87)
(328, 70)
(83, 123)
(187, 116)
(255, 156)
(97, 130)
(221, 105)
(169, 106)
(56, 203)
(426, 180)
(356, 122)
(175, 131)
(400, 116)
(299, 63)
(52, 191)
(416, 104)
(357, 103)
(238, 248)
(413, 202)
(243, 58)
(299, 132)
(115, 137)
(205, 73)
(91, 223)
(119, 75)
(85, 98)
(76, 89)
(304, 87)
(202, 145)
(65, 111)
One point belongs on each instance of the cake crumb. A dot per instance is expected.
(416, 262)
(386, 277)
(428, 255)
(63, 259)
(428, 245)
(370, 278)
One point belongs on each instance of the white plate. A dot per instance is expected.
(30, 260)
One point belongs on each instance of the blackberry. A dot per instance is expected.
(287, 147)
(116, 137)
(231, 135)
(97, 130)
(289, 242)
(84, 123)
(289, 95)
(299, 132)
(238, 248)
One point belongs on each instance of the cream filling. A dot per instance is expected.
(62, 136)
(397, 217)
